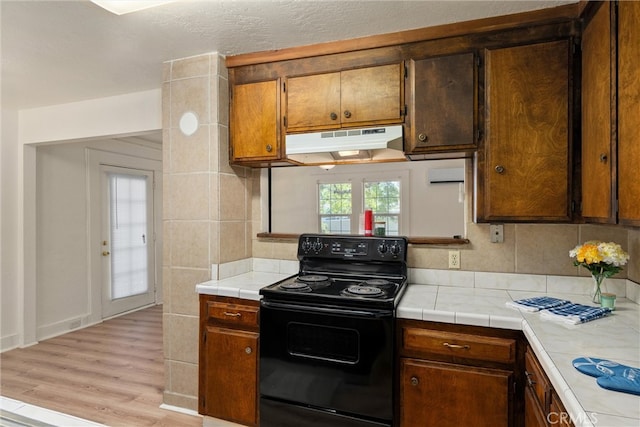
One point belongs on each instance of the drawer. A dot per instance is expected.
(477, 347)
(234, 314)
(536, 379)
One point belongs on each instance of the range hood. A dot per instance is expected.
(346, 146)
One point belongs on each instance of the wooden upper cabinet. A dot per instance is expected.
(443, 104)
(628, 112)
(524, 170)
(598, 191)
(358, 97)
(255, 122)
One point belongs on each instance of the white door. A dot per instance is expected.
(127, 240)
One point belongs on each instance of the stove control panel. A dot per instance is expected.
(353, 247)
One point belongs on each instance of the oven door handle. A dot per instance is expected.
(327, 310)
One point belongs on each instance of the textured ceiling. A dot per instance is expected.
(55, 52)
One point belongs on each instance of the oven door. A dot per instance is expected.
(325, 362)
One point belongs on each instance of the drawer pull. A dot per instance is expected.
(414, 381)
(226, 313)
(248, 350)
(463, 347)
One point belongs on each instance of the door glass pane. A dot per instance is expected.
(128, 228)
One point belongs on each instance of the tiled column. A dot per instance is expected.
(207, 209)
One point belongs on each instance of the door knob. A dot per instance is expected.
(105, 253)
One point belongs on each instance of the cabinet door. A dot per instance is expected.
(255, 120)
(360, 97)
(524, 170)
(597, 160)
(558, 415)
(443, 107)
(628, 112)
(442, 395)
(534, 416)
(313, 102)
(372, 95)
(231, 390)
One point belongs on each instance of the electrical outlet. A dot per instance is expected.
(497, 233)
(454, 259)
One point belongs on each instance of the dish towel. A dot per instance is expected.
(575, 313)
(610, 375)
(537, 303)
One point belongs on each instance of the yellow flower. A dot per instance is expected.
(588, 253)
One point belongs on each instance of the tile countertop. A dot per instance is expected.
(616, 337)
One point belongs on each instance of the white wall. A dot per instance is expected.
(114, 116)
(9, 211)
(433, 209)
(68, 288)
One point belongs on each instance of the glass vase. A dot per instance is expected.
(598, 283)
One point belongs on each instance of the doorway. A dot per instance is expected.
(128, 239)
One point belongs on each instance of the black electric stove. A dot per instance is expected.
(327, 334)
(344, 270)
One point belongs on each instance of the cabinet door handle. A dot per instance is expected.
(415, 381)
(463, 347)
(603, 157)
(499, 169)
(347, 113)
(333, 116)
(423, 137)
(226, 313)
(529, 380)
(248, 350)
(269, 148)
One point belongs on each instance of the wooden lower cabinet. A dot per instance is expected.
(456, 375)
(443, 394)
(228, 369)
(543, 407)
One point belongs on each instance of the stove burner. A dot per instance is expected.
(361, 290)
(295, 286)
(312, 278)
(306, 283)
(377, 283)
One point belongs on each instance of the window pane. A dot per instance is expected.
(384, 199)
(335, 208)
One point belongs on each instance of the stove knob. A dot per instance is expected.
(317, 246)
(306, 245)
(395, 249)
(382, 248)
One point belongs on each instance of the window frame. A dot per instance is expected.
(357, 194)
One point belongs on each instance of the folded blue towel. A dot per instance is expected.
(575, 313)
(537, 303)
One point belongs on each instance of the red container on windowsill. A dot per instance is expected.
(368, 222)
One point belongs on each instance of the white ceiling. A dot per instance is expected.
(55, 52)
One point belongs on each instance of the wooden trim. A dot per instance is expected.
(556, 14)
(412, 240)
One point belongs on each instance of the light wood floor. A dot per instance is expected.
(111, 373)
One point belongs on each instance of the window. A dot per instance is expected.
(335, 208)
(340, 205)
(383, 198)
